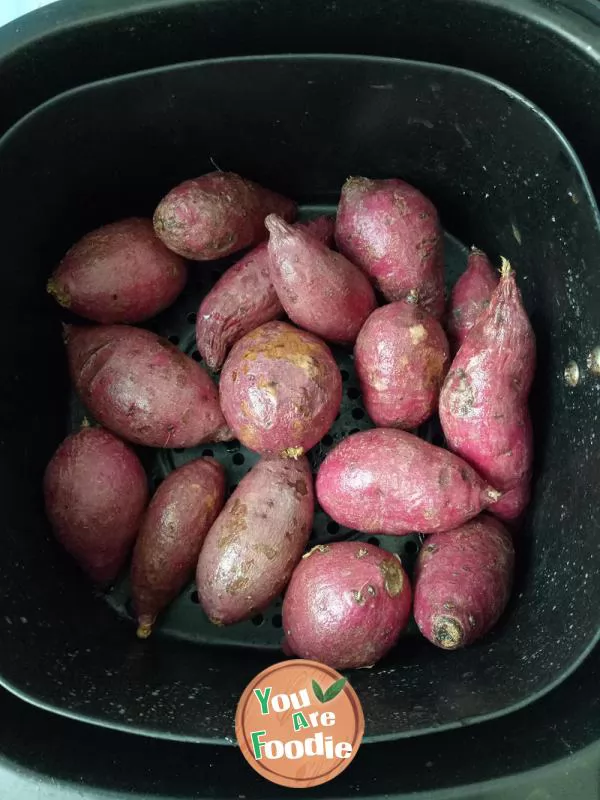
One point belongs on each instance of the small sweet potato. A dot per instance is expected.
(143, 388)
(483, 403)
(319, 289)
(257, 540)
(401, 357)
(346, 605)
(470, 296)
(244, 298)
(217, 214)
(463, 580)
(392, 231)
(95, 492)
(175, 525)
(119, 273)
(280, 390)
(388, 481)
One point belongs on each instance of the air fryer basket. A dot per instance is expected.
(502, 176)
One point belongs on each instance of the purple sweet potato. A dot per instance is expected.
(280, 390)
(143, 388)
(463, 580)
(470, 296)
(244, 298)
(319, 289)
(401, 358)
(95, 492)
(257, 540)
(119, 273)
(483, 403)
(174, 527)
(392, 231)
(389, 481)
(346, 605)
(217, 214)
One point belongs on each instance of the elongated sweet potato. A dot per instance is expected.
(319, 289)
(389, 481)
(244, 298)
(462, 583)
(392, 231)
(470, 296)
(95, 492)
(217, 214)
(280, 390)
(483, 403)
(174, 527)
(401, 357)
(257, 540)
(119, 273)
(346, 605)
(143, 388)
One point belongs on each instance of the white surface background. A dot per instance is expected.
(11, 9)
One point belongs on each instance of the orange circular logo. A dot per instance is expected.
(299, 723)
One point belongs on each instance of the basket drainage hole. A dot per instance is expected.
(258, 620)
(353, 393)
(208, 452)
(174, 339)
(358, 413)
(332, 527)
(327, 440)
(277, 621)
(345, 374)
(238, 459)
(194, 598)
(373, 540)
(196, 356)
(191, 317)
(410, 547)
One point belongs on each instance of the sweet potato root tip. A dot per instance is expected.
(448, 633)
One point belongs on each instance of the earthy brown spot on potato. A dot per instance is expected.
(448, 606)
(362, 552)
(59, 293)
(444, 477)
(319, 548)
(462, 397)
(269, 387)
(431, 548)
(299, 487)
(427, 247)
(234, 376)
(447, 632)
(287, 346)
(434, 367)
(268, 552)
(393, 579)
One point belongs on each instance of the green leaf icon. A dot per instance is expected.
(334, 690)
(318, 691)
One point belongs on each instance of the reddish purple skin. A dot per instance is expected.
(174, 527)
(470, 296)
(463, 580)
(401, 357)
(280, 390)
(388, 481)
(143, 388)
(244, 298)
(483, 403)
(217, 214)
(320, 290)
(119, 273)
(95, 491)
(257, 540)
(392, 231)
(346, 605)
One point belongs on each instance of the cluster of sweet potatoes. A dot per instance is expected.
(371, 280)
